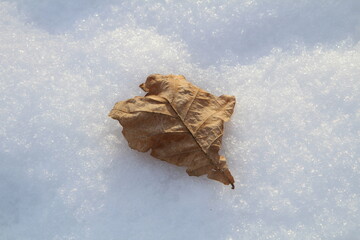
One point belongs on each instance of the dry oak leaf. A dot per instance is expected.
(181, 124)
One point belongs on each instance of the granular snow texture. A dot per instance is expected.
(292, 144)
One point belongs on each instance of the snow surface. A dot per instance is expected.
(292, 145)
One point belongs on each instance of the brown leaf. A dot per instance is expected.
(181, 124)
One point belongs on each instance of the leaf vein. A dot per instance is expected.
(197, 92)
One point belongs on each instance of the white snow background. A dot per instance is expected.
(293, 145)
